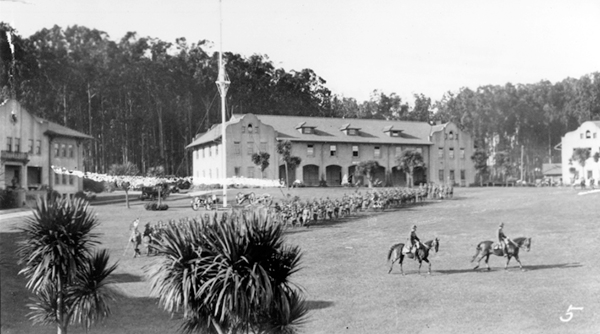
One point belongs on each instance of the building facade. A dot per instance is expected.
(586, 136)
(30, 145)
(330, 149)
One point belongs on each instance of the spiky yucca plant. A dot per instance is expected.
(67, 277)
(230, 276)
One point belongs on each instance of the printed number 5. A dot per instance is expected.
(569, 313)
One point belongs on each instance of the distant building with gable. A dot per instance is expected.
(586, 136)
(332, 147)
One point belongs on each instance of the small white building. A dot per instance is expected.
(586, 136)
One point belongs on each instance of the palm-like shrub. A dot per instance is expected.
(230, 276)
(67, 277)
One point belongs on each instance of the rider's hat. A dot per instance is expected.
(501, 225)
(414, 227)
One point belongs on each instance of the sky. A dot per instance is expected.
(357, 46)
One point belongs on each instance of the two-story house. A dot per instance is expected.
(30, 145)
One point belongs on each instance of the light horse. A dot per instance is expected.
(486, 248)
(422, 254)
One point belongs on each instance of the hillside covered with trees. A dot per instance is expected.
(144, 99)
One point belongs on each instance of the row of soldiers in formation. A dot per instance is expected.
(295, 212)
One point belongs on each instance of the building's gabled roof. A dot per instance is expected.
(212, 135)
(57, 130)
(551, 169)
(328, 130)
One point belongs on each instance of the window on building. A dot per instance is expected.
(377, 152)
(64, 150)
(38, 147)
(9, 144)
(71, 151)
(456, 136)
(209, 149)
(462, 153)
(451, 153)
(332, 150)
(71, 177)
(441, 175)
(203, 151)
(249, 128)
(56, 178)
(56, 150)
(250, 147)
(256, 129)
(355, 150)
(64, 178)
(451, 135)
(263, 146)
(588, 134)
(216, 150)
(581, 136)
(395, 133)
(398, 151)
(30, 148)
(310, 150)
(237, 147)
(441, 153)
(463, 175)
(250, 172)
(590, 174)
(352, 132)
(307, 131)
(236, 171)
(451, 175)
(17, 144)
(197, 153)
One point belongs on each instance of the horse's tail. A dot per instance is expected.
(391, 251)
(477, 250)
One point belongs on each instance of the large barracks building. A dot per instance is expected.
(332, 147)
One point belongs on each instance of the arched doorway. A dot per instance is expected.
(291, 174)
(378, 176)
(333, 175)
(419, 175)
(357, 179)
(398, 177)
(311, 175)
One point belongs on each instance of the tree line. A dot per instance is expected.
(144, 99)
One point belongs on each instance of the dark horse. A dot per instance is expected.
(486, 248)
(422, 254)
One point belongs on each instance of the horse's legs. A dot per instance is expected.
(420, 264)
(478, 261)
(487, 258)
(520, 265)
(401, 259)
(394, 258)
(507, 261)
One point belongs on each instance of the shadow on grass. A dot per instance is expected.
(125, 278)
(318, 304)
(510, 268)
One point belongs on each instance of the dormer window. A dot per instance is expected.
(305, 128)
(391, 131)
(352, 132)
(588, 134)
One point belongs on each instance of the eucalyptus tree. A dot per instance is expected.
(66, 275)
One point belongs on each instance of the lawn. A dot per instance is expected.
(345, 277)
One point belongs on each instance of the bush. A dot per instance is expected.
(52, 194)
(154, 206)
(8, 199)
(93, 186)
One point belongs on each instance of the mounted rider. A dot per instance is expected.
(413, 242)
(503, 240)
